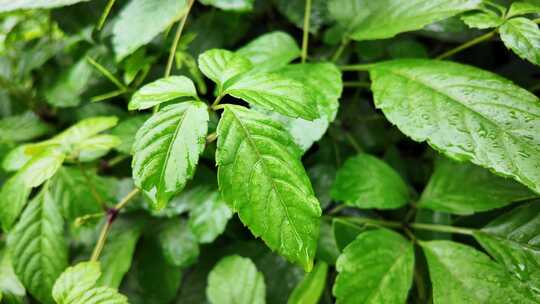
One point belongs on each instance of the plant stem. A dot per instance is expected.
(420, 226)
(211, 137)
(467, 45)
(106, 96)
(106, 13)
(103, 70)
(111, 216)
(357, 67)
(116, 160)
(123, 202)
(340, 49)
(442, 228)
(216, 102)
(305, 37)
(174, 45)
(353, 142)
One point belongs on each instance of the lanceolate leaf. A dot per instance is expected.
(261, 177)
(11, 5)
(22, 127)
(377, 267)
(167, 149)
(235, 279)
(461, 274)
(37, 246)
(522, 36)
(11, 288)
(367, 20)
(466, 113)
(162, 90)
(270, 51)
(464, 188)
(77, 285)
(513, 240)
(277, 92)
(365, 181)
(222, 65)
(310, 289)
(141, 20)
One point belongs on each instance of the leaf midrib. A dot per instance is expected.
(263, 165)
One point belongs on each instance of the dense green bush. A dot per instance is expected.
(285, 151)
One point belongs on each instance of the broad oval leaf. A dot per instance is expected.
(461, 274)
(261, 177)
(235, 279)
(222, 65)
(523, 8)
(178, 243)
(482, 19)
(464, 112)
(77, 285)
(208, 218)
(277, 92)
(377, 267)
(364, 181)
(11, 289)
(37, 245)
(162, 90)
(167, 149)
(522, 36)
(141, 20)
(22, 127)
(368, 20)
(270, 51)
(513, 240)
(126, 131)
(464, 188)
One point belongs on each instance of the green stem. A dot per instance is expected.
(442, 228)
(105, 14)
(116, 160)
(467, 45)
(305, 37)
(353, 142)
(106, 96)
(357, 67)
(174, 45)
(215, 104)
(211, 137)
(103, 70)
(372, 222)
(111, 216)
(340, 49)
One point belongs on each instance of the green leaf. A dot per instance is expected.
(231, 5)
(37, 245)
(207, 219)
(275, 91)
(11, 289)
(167, 148)
(126, 131)
(66, 141)
(512, 240)
(267, 185)
(119, 250)
(162, 90)
(16, 190)
(377, 267)
(235, 279)
(364, 181)
(345, 232)
(461, 274)
(310, 289)
(370, 20)
(12, 5)
(483, 19)
(77, 285)
(142, 20)
(222, 65)
(22, 127)
(522, 36)
(523, 8)
(323, 80)
(71, 190)
(95, 147)
(178, 243)
(464, 112)
(464, 188)
(270, 51)
(327, 248)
